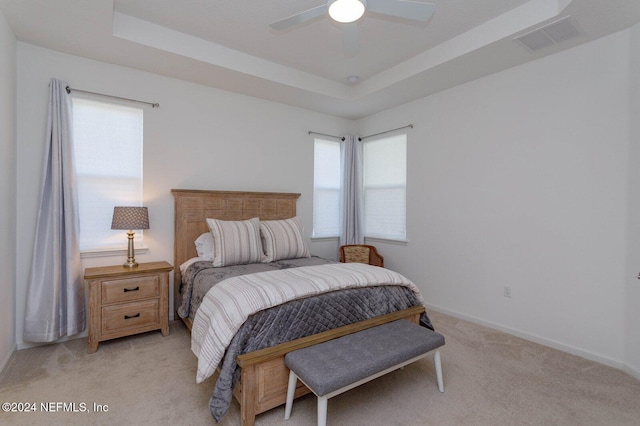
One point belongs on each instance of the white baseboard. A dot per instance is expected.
(632, 371)
(537, 339)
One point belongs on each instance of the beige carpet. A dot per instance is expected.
(490, 378)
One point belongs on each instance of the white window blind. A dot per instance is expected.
(326, 188)
(385, 187)
(108, 154)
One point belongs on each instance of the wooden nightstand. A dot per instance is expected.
(125, 301)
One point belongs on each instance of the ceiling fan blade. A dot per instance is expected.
(350, 39)
(299, 18)
(407, 9)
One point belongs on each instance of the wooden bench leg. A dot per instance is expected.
(438, 365)
(291, 390)
(322, 411)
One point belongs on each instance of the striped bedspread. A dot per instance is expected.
(229, 303)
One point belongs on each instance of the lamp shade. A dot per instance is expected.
(130, 218)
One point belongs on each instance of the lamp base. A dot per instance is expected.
(131, 260)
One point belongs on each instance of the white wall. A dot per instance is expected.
(7, 189)
(520, 179)
(632, 335)
(199, 138)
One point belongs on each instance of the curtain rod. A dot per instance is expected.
(363, 137)
(324, 134)
(387, 131)
(153, 104)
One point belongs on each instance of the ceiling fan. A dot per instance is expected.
(349, 11)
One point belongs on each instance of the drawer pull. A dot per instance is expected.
(132, 289)
(132, 316)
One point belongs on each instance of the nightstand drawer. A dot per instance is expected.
(124, 290)
(117, 318)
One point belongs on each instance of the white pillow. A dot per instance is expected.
(204, 246)
(235, 242)
(282, 239)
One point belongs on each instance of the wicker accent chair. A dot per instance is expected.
(361, 253)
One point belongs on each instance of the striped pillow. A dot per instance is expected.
(235, 242)
(282, 239)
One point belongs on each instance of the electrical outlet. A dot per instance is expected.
(507, 291)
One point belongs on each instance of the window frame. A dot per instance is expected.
(117, 241)
(338, 190)
(368, 234)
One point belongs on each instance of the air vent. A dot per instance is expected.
(550, 34)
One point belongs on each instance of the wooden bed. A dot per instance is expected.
(263, 385)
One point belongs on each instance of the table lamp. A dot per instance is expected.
(130, 218)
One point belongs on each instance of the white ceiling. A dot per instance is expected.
(228, 44)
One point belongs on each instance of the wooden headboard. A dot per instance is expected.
(193, 207)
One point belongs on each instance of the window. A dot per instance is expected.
(326, 189)
(384, 181)
(108, 157)
(385, 187)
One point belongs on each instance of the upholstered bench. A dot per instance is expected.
(336, 366)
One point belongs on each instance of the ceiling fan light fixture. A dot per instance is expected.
(346, 11)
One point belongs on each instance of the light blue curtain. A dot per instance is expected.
(352, 207)
(55, 294)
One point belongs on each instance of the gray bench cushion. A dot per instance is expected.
(337, 363)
